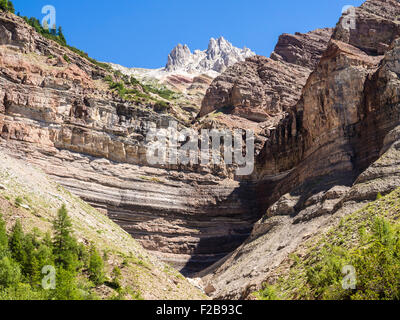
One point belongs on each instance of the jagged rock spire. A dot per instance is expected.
(219, 55)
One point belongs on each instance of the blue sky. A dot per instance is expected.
(141, 33)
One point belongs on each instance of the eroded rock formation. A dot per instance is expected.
(261, 88)
(333, 153)
(62, 117)
(325, 113)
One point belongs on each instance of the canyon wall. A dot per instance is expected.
(62, 117)
(333, 152)
(324, 108)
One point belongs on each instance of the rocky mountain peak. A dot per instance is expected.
(219, 55)
(215, 47)
(178, 56)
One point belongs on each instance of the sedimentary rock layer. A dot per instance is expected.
(332, 154)
(61, 117)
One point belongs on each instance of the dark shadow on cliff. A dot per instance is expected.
(235, 225)
(259, 199)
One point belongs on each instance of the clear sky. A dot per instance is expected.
(141, 33)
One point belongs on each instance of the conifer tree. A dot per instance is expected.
(4, 5)
(44, 255)
(34, 271)
(64, 244)
(10, 7)
(3, 237)
(96, 267)
(17, 243)
(61, 36)
(31, 265)
(10, 274)
(66, 288)
(53, 30)
(45, 26)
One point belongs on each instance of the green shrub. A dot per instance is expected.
(67, 59)
(18, 201)
(376, 261)
(10, 273)
(161, 106)
(108, 78)
(22, 291)
(115, 282)
(96, 267)
(366, 243)
(135, 82)
(268, 293)
(163, 92)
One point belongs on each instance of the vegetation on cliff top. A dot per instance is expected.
(58, 36)
(52, 33)
(131, 89)
(7, 5)
(359, 259)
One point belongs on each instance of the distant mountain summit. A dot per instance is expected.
(220, 55)
(192, 72)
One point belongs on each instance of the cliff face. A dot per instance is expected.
(62, 117)
(375, 28)
(262, 88)
(331, 154)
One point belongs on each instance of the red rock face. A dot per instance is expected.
(376, 26)
(302, 49)
(261, 88)
(332, 103)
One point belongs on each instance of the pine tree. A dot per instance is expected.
(17, 243)
(61, 36)
(64, 244)
(53, 30)
(3, 237)
(96, 267)
(44, 255)
(10, 7)
(10, 274)
(47, 241)
(34, 271)
(4, 5)
(31, 265)
(116, 283)
(66, 288)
